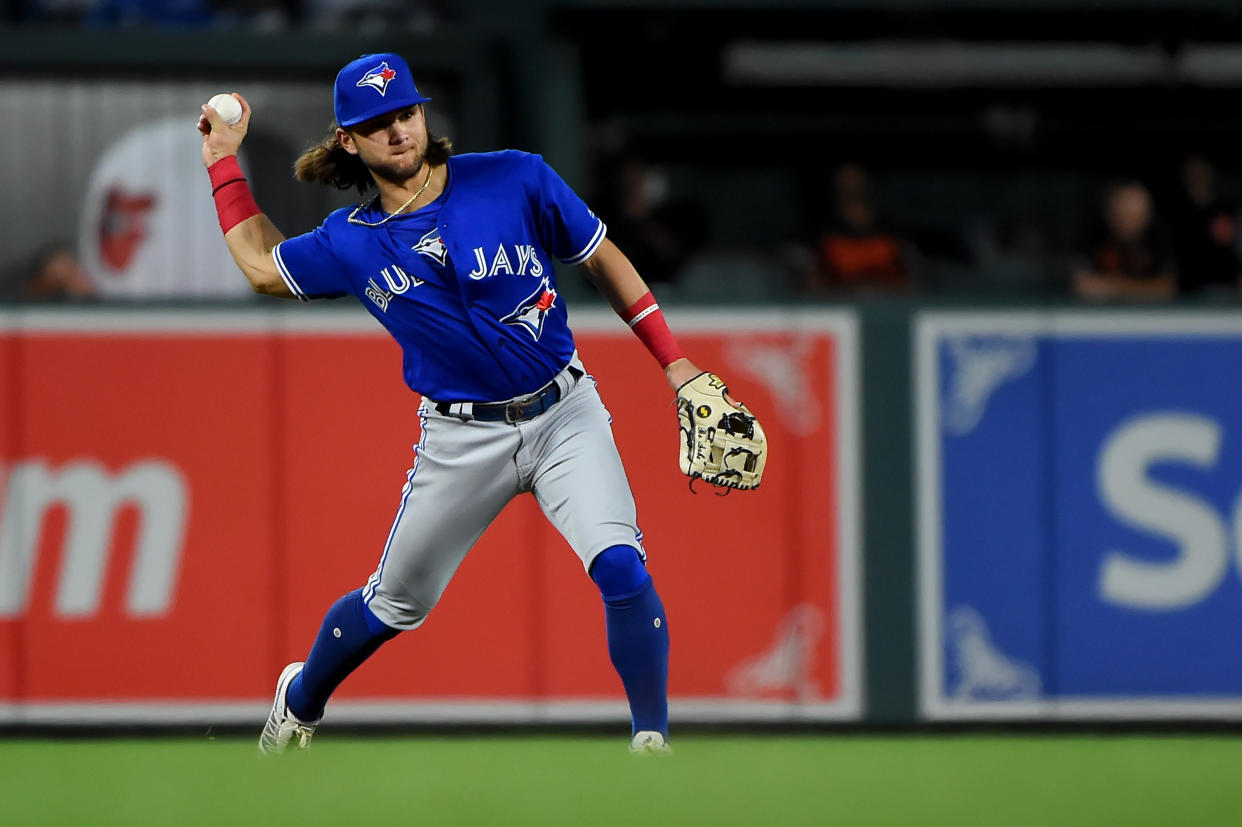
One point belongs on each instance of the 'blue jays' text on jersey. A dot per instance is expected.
(465, 284)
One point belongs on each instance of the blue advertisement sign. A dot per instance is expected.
(1080, 524)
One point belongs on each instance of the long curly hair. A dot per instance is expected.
(327, 162)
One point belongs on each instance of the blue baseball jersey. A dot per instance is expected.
(465, 284)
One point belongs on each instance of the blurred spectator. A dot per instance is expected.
(1205, 233)
(53, 274)
(1129, 256)
(1013, 255)
(657, 233)
(854, 249)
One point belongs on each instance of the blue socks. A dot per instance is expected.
(349, 635)
(637, 642)
(637, 635)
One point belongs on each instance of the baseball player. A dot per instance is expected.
(453, 255)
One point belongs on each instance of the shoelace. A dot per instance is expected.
(303, 733)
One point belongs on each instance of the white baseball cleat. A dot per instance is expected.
(282, 725)
(649, 742)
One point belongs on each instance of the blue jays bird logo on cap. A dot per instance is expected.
(529, 315)
(378, 78)
(386, 73)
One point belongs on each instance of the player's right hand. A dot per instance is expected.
(219, 139)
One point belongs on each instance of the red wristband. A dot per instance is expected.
(234, 203)
(647, 322)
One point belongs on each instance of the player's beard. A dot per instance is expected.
(399, 170)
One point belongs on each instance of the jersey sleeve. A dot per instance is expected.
(308, 267)
(567, 227)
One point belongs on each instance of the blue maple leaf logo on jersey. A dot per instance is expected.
(378, 78)
(529, 315)
(432, 246)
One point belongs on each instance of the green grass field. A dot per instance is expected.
(578, 780)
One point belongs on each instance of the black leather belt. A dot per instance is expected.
(518, 410)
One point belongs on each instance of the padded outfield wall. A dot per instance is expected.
(184, 493)
(1079, 525)
(982, 514)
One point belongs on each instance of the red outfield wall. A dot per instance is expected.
(182, 495)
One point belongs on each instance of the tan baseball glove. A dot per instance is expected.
(720, 444)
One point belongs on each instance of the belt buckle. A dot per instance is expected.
(515, 411)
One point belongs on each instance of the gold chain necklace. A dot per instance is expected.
(399, 210)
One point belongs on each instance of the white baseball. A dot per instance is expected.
(227, 106)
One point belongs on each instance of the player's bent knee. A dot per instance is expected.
(619, 572)
(375, 625)
(396, 615)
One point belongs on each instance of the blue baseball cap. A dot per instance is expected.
(373, 85)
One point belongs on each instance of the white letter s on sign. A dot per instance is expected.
(1189, 523)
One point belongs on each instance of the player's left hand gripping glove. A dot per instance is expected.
(720, 444)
